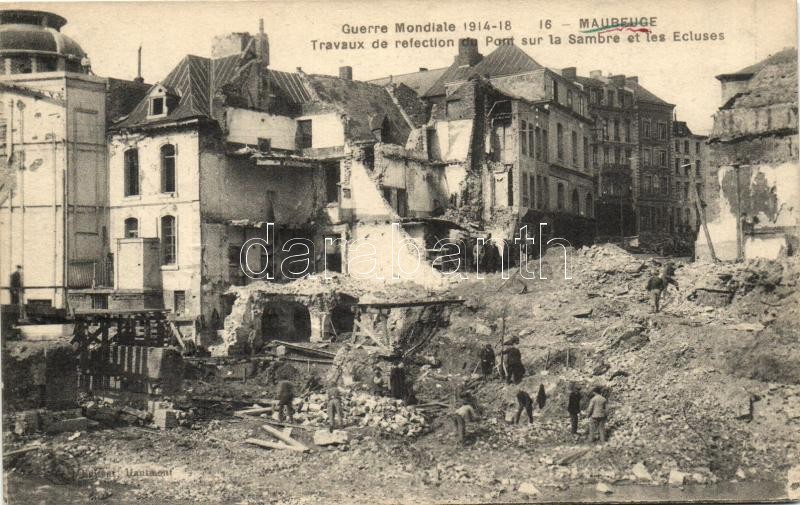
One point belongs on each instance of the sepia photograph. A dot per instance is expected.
(399, 252)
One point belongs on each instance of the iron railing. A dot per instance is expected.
(91, 273)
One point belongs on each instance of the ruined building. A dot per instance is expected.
(690, 158)
(752, 187)
(514, 138)
(53, 198)
(226, 151)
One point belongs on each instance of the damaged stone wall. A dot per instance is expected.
(753, 187)
(425, 182)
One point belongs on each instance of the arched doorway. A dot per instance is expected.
(285, 320)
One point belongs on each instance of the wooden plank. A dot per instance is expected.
(282, 436)
(702, 213)
(274, 445)
(302, 348)
(253, 412)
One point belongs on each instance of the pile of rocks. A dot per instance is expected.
(363, 409)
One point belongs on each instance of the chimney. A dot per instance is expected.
(423, 69)
(633, 78)
(230, 44)
(346, 73)
(570, 73)
(139, 77)
(262, 44)
(617, 80)
(468, 52)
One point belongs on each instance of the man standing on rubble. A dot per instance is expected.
(487, 360)
(574, 407)
(334, 408)
(285, 399)
(513, 362)
(596, 412)
(397, 381)
(658, 284)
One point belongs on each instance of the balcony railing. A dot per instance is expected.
(91, 274)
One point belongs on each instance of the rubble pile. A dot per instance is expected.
(362, 409)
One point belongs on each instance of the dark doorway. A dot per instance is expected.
(289, 321)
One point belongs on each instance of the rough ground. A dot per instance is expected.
(708, 391)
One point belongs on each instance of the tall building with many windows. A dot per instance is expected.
(631, 152)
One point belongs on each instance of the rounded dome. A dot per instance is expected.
(36, 32)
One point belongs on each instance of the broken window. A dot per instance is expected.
(333, 253)
(235, 271)
(332, 176)
(523, 138)
(532, 189)
(586, 153)
(168, 240)
(686, 146)
(560, 141)
(531, 147)
(131, 228)
(525, 201)
(545, 146)
(179, 302)
(616, 130)
(304, 136)
(131, 162)
(402, 202)
(627, 130)
(510, 177)
(168, 168)
(574, 149)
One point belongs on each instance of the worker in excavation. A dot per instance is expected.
(658, 284)
(378, 384)
(397, 381)
(487, 360)
(596, 412)
(574, 407)
(513, 363)
(285, 399)
(334, 408)
(463, 414)
(524, 402)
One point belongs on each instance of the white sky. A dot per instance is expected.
(681, 73)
